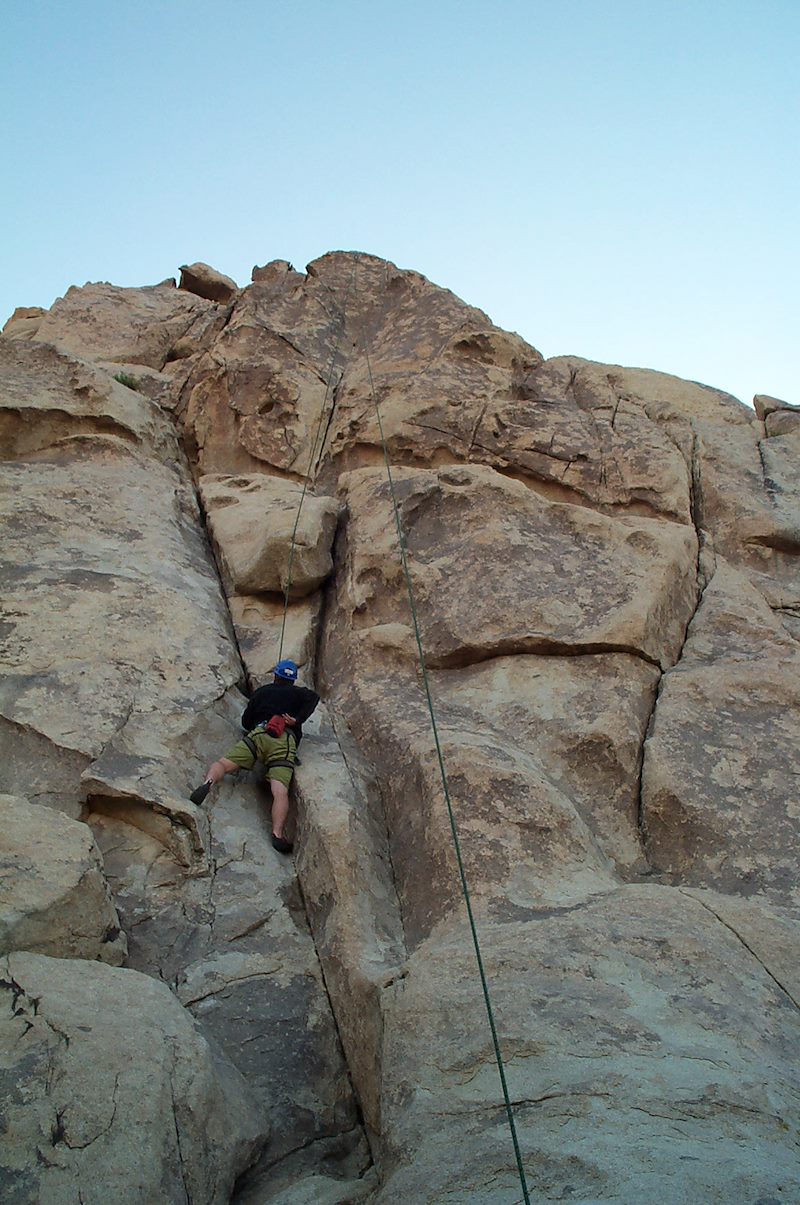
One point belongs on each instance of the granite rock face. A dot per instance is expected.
(604, 568)
(253, 519)
(722, 764)
(570, 579)
(116, 638)
(48, 397)
(110, 1091)
(207, 282)
(645, 1042)
(152, 326)
(120, 685)
(54, 898)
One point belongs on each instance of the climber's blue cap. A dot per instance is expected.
(287, 670)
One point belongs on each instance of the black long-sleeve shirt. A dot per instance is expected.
(276, 698)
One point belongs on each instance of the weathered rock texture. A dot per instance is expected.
(110, 1093)
(604, 565)
(206, 282)
(54, 898)
(266, 541)
(119, 686)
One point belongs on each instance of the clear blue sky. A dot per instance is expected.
(615, 179)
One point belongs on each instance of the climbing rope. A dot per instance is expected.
(445, 786)
(353, 286)
(341, 325)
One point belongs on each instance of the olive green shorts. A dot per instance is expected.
(280, 773)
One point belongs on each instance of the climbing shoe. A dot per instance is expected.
(282, 846)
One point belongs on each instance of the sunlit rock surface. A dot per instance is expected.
(110, 1093)
(54, 898)
(604, 566)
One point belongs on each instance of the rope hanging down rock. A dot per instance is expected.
(353, 285)
(445, 786)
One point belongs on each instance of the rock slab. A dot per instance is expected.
(110, 1092)
(54, 897)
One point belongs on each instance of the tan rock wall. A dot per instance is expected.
(54, 897)
(720, 796)
(497, 569)
(129, 326)
(118, 689)
(605, 569)
(645, 1043)
(113, 1093)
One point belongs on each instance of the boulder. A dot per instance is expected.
(274, 272)
(497, 569)
(764, 405)
(258, 621)
(24, 322)
(129, 326)
(783, 422)
(645, 1042)
(48, 397)
(54, 898)
(269, 534)
(721, 764)
(205, 281)
(112, 1094)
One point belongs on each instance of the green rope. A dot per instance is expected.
(288, 587)
(445, 786)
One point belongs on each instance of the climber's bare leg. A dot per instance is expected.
(280, 806)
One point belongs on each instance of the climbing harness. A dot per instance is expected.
(281, 757)
(429, 699)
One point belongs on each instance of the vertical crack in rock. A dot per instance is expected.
(335, 1134)
(771, 488)
(203, 517)
(321, 635)
(181, 1162)
(334, 399)
(690, 895)
(475, 428)
(329, 998)
(641, 827)
(703, 578)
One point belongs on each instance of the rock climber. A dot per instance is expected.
(281, 696)
(273, 720)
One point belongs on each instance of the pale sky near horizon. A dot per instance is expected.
(615, 180)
